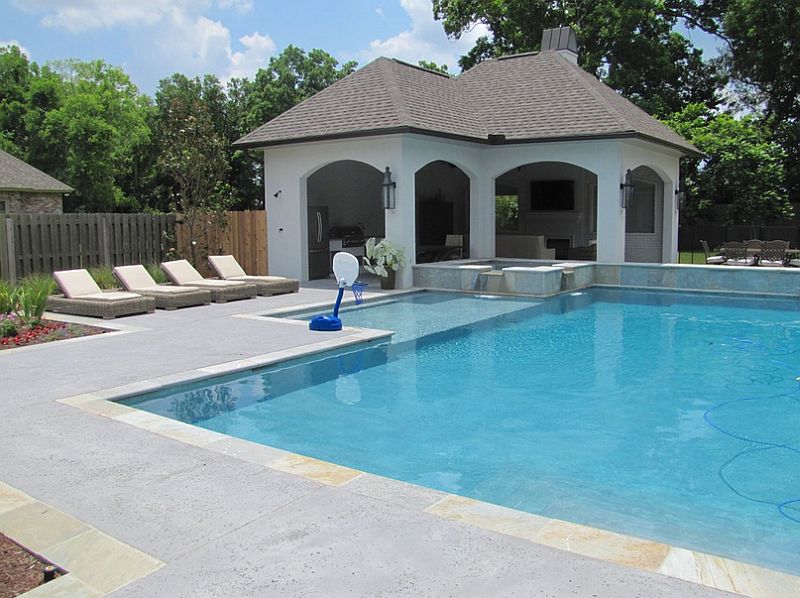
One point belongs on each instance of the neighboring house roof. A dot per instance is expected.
(16, 175)
(521, 98)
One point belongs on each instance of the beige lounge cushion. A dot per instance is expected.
(226, 266)
(181, 272)
(134, 277)
(166, 290)
(217, 283)
(260, 278)
(76, 283)
(112, 296)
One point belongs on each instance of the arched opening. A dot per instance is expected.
(344, 209)
(442, 212)
(644, 228)
(546, 210)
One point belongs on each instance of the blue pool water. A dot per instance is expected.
(668, 416)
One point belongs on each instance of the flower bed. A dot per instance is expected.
(20, 570)
(14, 332)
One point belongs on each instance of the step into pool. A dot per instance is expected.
(669, 416)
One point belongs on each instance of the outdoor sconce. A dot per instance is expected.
(277, 193)
(627, 190)
(389, 187)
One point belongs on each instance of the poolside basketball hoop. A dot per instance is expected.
(345, 268)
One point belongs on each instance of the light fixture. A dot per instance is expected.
(277, 193)
(388, 188)
(627, 190)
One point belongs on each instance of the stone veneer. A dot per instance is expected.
(538, 278)
(37, 202)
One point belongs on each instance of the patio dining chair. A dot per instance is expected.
(773, 253)
(711, 259)
(736, 254)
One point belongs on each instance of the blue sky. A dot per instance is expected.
(152, 39)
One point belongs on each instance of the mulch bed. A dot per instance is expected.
(47, 332)
(20, 570)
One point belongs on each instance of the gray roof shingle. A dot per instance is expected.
(16, 175)
(526, 97)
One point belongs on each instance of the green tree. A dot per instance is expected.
(100, 127)
(432, 66)
(193, 157)
(764, 57)
(630, 44)
(15, 79)
(742, 168)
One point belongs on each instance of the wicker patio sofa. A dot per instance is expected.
(137, 279)
(82, 297)
(182, 273)
(227, 268)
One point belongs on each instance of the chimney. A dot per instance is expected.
(561, 40)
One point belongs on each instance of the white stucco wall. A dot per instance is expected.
(288, 167)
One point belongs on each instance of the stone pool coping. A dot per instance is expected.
(96, 563)
(646, 555)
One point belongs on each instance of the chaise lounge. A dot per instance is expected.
(82, 297)
(227, 268)
(137, 279)
(182, 273)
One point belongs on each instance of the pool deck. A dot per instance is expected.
(137, 507)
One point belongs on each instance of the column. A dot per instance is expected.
(481, 217)
(610, 217)
(400, 222)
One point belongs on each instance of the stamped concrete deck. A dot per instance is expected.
(227, 526)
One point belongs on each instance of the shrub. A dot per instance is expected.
(33, 293)
(8, 298)
(8, 327)
(157, 273)
(104, 277)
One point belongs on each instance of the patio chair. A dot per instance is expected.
(138, 280)
(736, 254)
(454, 247)
(227, 268)
(183, 274)
(82, 297)
(773, 253)
(711, 259)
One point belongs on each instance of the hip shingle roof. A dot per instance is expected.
(526, 97)
(16, 175)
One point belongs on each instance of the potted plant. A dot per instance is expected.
(384, 259)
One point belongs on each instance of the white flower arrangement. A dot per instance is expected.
(382, 257)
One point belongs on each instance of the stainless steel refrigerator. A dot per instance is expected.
(319, 253)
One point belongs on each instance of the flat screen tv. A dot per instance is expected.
(552, 195)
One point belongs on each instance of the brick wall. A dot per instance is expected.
(32, 203)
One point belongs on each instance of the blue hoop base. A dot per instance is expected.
(325, 324)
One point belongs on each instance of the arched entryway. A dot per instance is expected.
(442, 212)
(546, 210)
(344, 209)
(644, 229)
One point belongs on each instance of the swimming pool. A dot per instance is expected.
(662, 415)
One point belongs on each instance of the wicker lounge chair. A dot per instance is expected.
(228, 268)
(736, 254)
(82, 297)
(138, 280)
(182, 273)
(773, 253)
(711, 259)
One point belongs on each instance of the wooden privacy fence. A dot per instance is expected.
(241, 234)
(42, 243)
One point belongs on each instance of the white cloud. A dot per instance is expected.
(172, 35)
(13, 42)
(240, 6)
(82, 15)
(426, 40)
(258, 50)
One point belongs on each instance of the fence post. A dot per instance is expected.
(105, 255)
(7, 251)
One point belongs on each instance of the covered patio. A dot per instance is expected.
(591, 171)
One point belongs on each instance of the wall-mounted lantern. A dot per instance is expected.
(388, 187)
(680, 199)
(627, 190)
